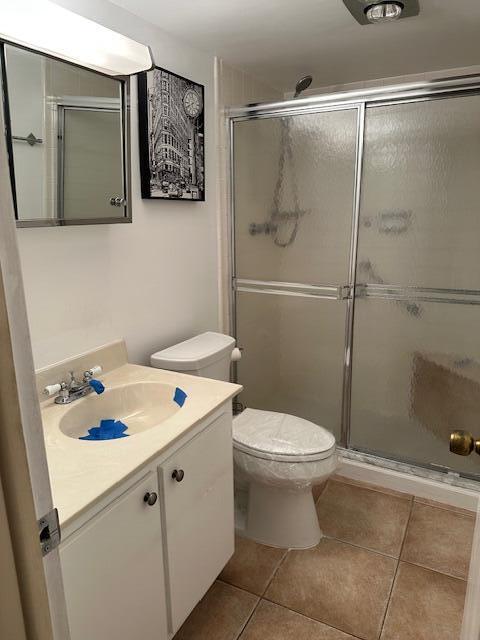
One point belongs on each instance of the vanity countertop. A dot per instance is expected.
(82, 472)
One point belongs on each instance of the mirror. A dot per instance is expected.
(68, 141)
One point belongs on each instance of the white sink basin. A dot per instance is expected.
(140, 406)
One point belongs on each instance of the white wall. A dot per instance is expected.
(152, 282)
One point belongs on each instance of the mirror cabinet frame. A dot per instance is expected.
(124, 82)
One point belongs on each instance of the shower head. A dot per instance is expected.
(302, 84)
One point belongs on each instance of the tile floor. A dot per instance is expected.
(389, 568)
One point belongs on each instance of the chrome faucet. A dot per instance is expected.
(74, 389)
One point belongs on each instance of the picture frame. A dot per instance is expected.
(171, 136)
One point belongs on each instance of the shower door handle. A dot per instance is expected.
(463, 443)
(345, 292)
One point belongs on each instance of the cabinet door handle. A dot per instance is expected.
(150, 498)
(178, 475)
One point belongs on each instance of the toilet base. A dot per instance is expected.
(281, 518)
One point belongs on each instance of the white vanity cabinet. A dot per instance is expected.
(113, 570)
(136, 570)
(198, 516)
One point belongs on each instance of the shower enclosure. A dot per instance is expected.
(356, 266)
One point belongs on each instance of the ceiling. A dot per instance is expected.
(280, 40)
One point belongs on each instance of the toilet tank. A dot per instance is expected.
(207, 355)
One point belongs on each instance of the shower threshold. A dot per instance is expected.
(448, 478)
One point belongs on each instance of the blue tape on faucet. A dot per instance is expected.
(179, 397)
(97, 386)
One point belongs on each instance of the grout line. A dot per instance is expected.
(274, 573)
(299, 613)
(244, 626)
(382, 625)
(234, 586)
(412, 506)
(259, 599)
(396, 571)
(442, 573)
(358, 546)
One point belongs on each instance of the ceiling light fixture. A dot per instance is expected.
(368, 12)
(383, 12)
(44, 26)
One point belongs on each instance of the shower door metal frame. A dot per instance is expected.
(343, 292)
(360, 100)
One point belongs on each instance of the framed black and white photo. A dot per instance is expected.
(171, 134)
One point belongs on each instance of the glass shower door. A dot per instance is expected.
(416, 350)
(294, 198)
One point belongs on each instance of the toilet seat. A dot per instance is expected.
(270, 435)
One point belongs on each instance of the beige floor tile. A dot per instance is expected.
(220, 615)
(271, 622)
(363, 517)
(338, 584)
(425, 605)
(252, 565)
(439, 539)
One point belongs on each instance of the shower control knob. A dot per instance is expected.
(150, 498)
(463, 443)
(178, 475)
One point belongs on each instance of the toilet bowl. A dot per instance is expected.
(278, 457)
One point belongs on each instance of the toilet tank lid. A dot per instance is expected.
(192, 354)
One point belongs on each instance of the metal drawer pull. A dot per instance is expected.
(150, 498)
(178, 475)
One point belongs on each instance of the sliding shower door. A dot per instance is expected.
(294, 200)
(416, 349)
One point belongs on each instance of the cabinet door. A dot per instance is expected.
(113, 571)
(198, 516)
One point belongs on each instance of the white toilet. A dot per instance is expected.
(278, 457)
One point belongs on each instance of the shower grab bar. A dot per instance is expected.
(31, 139)
(420, 294)
(342, 292)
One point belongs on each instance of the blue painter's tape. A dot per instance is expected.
(179, 397)
(97, 386)
(108, 430)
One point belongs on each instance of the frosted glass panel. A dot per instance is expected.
(309, 208)
(420, 212)
(293, 355)
(416, 377)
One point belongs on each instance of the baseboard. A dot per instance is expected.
(421, 487)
